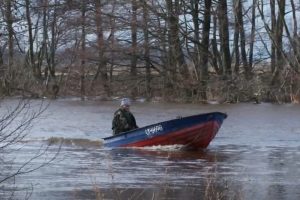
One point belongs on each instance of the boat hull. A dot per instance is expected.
(192, 132)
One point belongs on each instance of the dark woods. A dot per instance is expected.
(191, 50)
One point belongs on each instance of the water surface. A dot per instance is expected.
(255, 155)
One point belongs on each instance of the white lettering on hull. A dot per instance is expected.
(151, 131)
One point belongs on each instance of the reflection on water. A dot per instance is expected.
(254, 156)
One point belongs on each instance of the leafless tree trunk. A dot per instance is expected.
(253, 29)
(7, 82)
(294, 38)
(175, 32)
(35, 59)
(167, 72)
(171, 43)
(216, 58)
(174, 40)
(236, 38)
(2, 69)
(1, 62)
(83, 53)
(247, 68)
(53, 45)
(146, 49)
(111, 37)
(31, 58)
(238, 8)
(195, 12)
(278, 42)
(102, 68)
(134, 58)
(295, 28)
(273, 35)
(176, 56)
(9, 22)
(205, 49)
(224, 37)
(44, 46)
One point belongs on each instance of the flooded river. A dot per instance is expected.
(255, 155)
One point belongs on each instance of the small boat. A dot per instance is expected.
(192, 132)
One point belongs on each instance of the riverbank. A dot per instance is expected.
(219, 90)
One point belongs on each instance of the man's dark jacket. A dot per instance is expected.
(123, 121)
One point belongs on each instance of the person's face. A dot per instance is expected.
(126, 107)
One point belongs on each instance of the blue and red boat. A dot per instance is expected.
(193, 132)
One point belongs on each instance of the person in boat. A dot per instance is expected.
(123, 119)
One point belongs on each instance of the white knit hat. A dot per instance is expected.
(125, 102)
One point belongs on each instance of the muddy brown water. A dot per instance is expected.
(255, 155)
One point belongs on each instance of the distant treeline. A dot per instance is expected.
(183, 50)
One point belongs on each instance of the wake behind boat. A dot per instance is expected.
(193, 132)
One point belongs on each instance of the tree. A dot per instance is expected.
(83, 49)
(176, 56)
(52, 47)
(134, 43)
(205, 48)
(278, 42)
(147, 48)
(178, 40)
(8, 18)
(31, 54)
(224, 37)
(9, 24)
(102, 61)
(240, 34)
(253, 30)
(216, 55)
